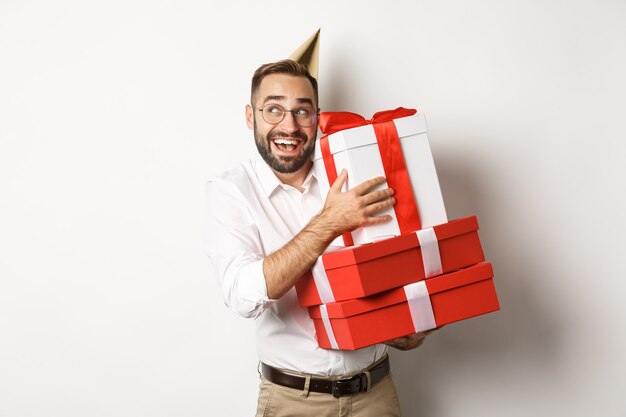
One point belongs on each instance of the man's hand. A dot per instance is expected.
(345, 211)
(408, 342)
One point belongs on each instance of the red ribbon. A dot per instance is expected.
(334, 121)
(390, 152)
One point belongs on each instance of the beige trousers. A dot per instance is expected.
(278, 401)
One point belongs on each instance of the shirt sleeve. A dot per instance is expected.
(232, 242)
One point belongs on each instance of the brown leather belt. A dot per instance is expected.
(338, 388)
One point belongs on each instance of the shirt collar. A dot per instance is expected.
(269, 181)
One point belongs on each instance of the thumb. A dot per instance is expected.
(340, 181)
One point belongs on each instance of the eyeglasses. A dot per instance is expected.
(305, 116)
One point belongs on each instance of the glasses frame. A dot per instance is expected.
(285, 111)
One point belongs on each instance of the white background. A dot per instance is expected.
(113, 115)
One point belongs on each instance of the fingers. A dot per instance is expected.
(365, 186)
(372, 209)
(376, 220)
(406, 342)
(340, 181)
(374, 201)
(379, 195)
(358, 206)
(369, 210)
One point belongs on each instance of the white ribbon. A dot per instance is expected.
(419, 306)
(321, 282)
(328, 327)
(430, 252)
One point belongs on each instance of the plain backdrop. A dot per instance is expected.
(114, 114)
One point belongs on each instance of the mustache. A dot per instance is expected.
(297, 135)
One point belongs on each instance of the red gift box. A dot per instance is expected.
(363, 322)
(360, 271)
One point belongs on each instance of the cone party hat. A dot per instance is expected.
(308, 54)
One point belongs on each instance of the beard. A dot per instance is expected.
(283, 165)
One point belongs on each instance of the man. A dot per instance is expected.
(267, 225)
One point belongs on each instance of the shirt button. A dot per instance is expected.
(337, 359)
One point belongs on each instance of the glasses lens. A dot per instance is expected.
(273, 113)
(305, 116)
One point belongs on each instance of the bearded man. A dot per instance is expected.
(267, 225)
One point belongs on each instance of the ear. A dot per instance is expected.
(249, 117)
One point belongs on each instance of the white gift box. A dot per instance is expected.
(356, 150)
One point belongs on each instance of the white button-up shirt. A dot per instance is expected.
(252, 214)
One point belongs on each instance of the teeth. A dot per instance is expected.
(285, 142)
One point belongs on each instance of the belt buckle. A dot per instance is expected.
(355, 384)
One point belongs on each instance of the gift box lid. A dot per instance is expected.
(357, 254)
(364, 135)
(434, 285)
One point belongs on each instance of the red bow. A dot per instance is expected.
(334, 121)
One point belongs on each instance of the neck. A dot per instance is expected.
(295, 179)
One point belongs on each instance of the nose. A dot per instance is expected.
(289, 122)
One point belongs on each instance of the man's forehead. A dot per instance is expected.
(286, 87)
(299, 100)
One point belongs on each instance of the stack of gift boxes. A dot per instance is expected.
(414, 273)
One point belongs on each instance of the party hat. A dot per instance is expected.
(308, 54)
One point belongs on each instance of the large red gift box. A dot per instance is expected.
(448, 298)
(360, 271)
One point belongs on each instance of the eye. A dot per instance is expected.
(273, 109)
(302, 111)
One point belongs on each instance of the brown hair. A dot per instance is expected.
(286, 66)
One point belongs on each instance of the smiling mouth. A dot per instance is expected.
(287, 145)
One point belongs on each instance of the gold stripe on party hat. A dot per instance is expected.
(308, 54)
